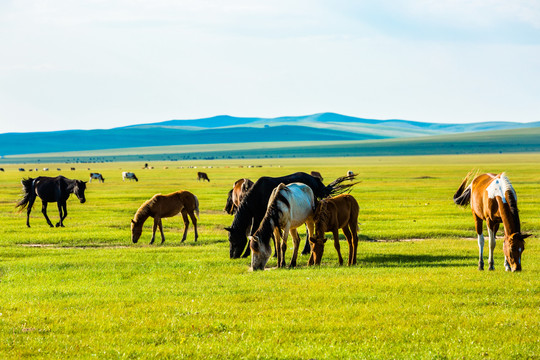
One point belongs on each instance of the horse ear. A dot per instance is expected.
(524, 236)
(133, 221)
(228, 229)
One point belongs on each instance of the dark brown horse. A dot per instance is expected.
(162, 206)
(50, 189)
(202, 176)
(236, 195)
(494, 200)
(340, 212)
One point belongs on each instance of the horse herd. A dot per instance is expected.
(274, 207)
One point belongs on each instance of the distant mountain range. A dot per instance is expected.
(228, 129)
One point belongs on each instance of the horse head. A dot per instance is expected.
(513, 247)
(78, 190)
(260, 253)
(136, 231)
(237, 242)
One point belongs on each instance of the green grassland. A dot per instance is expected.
(85, 291)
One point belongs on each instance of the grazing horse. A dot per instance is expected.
(340, 212)
(317, 175)
(50, 189)
(289, 207)
(202, 176)
(129, 175)
(162, 206)
(237, 194)
(494, 200)
(96, 176)
(253, 207)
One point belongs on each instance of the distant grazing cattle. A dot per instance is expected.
(72, 168)
(1, 169)
(129, 175)
(317, 175)
(21, 169)
(30, 169)
(96, 176)
(202, 176)
(45, 169)
(350, 173)
(58, 169)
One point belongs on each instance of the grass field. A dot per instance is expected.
(84, 291)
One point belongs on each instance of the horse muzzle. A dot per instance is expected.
(82, 201)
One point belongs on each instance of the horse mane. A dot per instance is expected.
(273, 212)
(321, 213)
(145, 210)
(510, 196)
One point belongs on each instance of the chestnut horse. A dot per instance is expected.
(289, 207)
(332, 214)
(162, 206)
(236, 195)
(494, 200)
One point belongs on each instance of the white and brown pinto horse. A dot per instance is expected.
(237, 194)
(96, 176)
(494, 200)
(289, 207)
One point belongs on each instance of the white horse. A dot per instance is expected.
(129, 175)
(289, 207)
(96, 176)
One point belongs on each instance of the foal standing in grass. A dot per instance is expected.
(162, 206)
(340, 212)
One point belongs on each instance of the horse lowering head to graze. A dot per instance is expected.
(96, 176)
(129, 175)
(332, 214)
(317, 175)
(163, 206)
(289, 207)
(253, 207)
(237, 194)
(202, 176)
(50, 189)
(494, 200)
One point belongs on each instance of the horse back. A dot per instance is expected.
(344, 210)
(482, 205)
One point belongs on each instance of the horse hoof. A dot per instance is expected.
(491, 268)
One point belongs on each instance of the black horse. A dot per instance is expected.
(50, 189)
(253, 207)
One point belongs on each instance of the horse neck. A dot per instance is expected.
(509, 216)
(142, 214)
(242, 218)
(264, 232)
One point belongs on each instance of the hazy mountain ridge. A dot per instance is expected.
(229, 129)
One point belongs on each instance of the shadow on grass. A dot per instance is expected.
(421, 260)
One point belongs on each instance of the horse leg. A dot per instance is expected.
(307, 246)
(62, 211)
(284, 244)
(348, 236)
(29, 209)
(353, 226)
(156, 222)
(296, 246)
(194, 221)
(44, 211)
(478, 226)
(254, 226)
(160, 224)
(336, 245)
(492, 242)
(311, 231)
(277, 245)
(186, 225)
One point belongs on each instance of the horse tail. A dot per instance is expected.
(337, 187)
(462, 197)
(28, 185)
(196, 206)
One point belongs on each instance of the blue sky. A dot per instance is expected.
(105, 63)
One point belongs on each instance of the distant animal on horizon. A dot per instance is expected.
(332, 214)
(494, 200)
(129, 175)
(237, 194)
(45, 169)
(96, 176)
(145, 166)
(2, 169)
(350, 173)
(202, 176)
(50, 189)
(58, 169)
(72, 168)
(251, 211)
(163, 206)
(21, 169)
(317, 175)
(289, 207)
